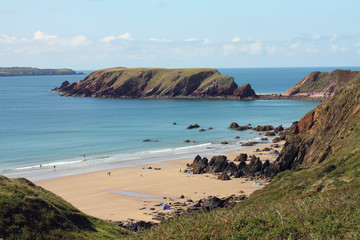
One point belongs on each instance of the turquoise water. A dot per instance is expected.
(38, 127)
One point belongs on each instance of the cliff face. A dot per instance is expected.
(321, 84)
(154, 83)
(331, 127)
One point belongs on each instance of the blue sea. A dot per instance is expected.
(40, 128)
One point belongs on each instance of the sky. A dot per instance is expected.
(94, 34)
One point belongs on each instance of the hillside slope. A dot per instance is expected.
(315, 197)
(30, 212)
(321, 84)
(155, 83)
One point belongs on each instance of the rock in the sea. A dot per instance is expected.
(202, 130)
(248, 144)
(245, 91)
(279, 128)
(187, 141)
(224, 142)
(264, 128)
(193, 126)
(269, 134)
(234, 125)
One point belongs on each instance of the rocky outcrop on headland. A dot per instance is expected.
(157, 83)
(317, 86)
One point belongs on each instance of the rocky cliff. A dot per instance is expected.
(331, 127)
(156, 83)
(321, 84)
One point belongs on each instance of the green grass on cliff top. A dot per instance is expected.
(30, 212)
(162, 77)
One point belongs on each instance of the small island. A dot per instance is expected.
(157, 83)
(29, 71)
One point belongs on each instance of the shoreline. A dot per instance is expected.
(77, 166)
(138, 192)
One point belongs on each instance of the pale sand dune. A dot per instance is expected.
(90, 192)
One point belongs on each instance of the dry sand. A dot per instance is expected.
(109, 197)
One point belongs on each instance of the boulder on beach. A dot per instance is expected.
(224, 177)
(241, 157)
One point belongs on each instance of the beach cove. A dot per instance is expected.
(139, 192)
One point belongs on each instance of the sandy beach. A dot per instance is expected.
(134, 192)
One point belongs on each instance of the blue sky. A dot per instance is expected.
(93, 34)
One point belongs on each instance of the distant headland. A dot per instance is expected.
(124, 82)
(157, 83)
(29, 71)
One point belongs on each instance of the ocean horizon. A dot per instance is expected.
(45, 135)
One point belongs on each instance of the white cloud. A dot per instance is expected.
(39, 35)
(206, 41)
(253, 48)
(335, 48)
(78, 41)
(125, 36)
(108, 39)
(236, 39)
(357, 45)
(191, 40)
(295, 45)
(11, 39)
(316, 36)
(158, 40)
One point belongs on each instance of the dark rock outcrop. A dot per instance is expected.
(220, 165)
(199, 164)
(245, 91)
(193, 126)
(241, 157)
(264, 128)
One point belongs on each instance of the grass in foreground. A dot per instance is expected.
(30, 212)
